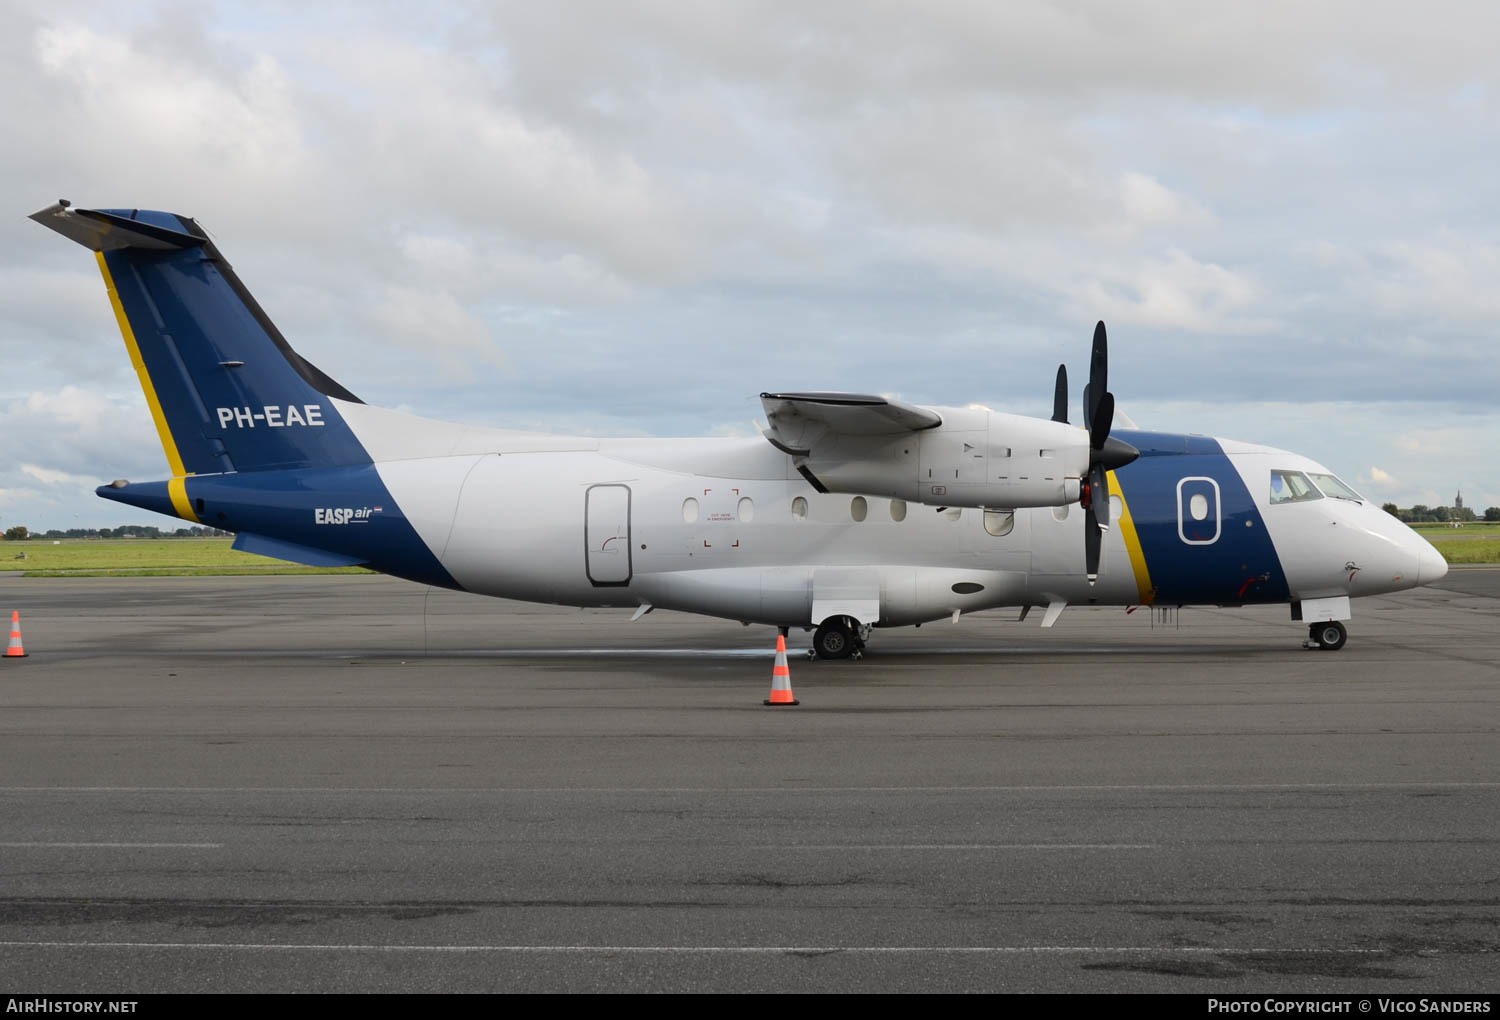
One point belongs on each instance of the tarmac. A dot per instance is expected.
(356, 784)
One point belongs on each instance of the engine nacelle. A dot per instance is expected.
(975, 458)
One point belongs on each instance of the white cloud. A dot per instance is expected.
(1433, 441)
(1175, 291)
(51, 476)
(73, 428)
(1375, 478)
(1444, 278)
(1170, 289)
(435, 325)
(1149, 205)
(469, 270)
(154, 113)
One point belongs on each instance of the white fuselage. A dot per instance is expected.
(727, 527)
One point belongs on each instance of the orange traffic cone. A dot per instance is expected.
(14, 649)
(781, 677)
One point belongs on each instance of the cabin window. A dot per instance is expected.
(898, 510)
(799, 508)
(746, 510)
(690, 510)
(1331, 486)
(999, 522)
(1292, 487)
(954, 513)
(1117, 508)
(859, 508)
(1198, 506)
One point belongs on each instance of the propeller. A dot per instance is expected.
(1105, 453)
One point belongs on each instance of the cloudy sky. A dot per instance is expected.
(631, 218)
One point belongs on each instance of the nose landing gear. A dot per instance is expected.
(1328, 637)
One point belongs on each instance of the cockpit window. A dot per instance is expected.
(1292, 487)
(1331, 486)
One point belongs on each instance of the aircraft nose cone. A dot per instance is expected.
(1430, 564)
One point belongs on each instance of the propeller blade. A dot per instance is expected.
(1104, 416)
(1091, 542)
(1098, 372)
(1060, 396)
(1099, 490)
(1105, 454)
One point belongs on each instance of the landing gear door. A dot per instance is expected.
(1198, 515)
(606, 535)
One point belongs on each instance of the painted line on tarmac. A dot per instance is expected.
(783, 848)
(791, 787)
(716, 950)
(114, 846)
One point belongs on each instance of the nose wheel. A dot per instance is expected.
(1328, 637)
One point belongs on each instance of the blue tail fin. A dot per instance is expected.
(226, 390)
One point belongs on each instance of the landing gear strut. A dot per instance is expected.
(839, 638)
(1329, 636)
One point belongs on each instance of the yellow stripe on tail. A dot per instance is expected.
(177, 489)
(174, 459)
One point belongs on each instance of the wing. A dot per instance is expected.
(798, 420)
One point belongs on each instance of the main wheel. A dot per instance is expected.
(834, 640)
(1330, 636)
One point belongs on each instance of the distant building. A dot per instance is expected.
(1458, 501)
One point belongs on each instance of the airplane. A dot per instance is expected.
(850, 512)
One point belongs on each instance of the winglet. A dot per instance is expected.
(102, 231)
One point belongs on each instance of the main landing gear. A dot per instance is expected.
(1328, 637)
(839, 638)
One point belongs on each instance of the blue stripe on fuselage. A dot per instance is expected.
(345, 510)
(1238, 566)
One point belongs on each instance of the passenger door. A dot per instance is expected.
(606, 536)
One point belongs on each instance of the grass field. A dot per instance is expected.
(1477, 542)
(144, 557)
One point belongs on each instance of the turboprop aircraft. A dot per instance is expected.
(850, 512)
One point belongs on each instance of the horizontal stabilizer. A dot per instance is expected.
(102, 231)
(260, 545)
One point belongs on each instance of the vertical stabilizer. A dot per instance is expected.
(226, 390)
